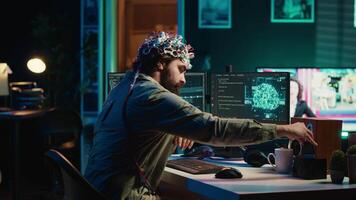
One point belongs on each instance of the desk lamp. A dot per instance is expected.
(36, 65)
(26, 95)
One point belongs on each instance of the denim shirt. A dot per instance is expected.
(154, 116)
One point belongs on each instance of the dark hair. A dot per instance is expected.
(300, 88)
(147, 63)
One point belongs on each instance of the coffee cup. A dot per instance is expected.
(283, 160)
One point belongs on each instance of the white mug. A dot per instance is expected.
(283, 160)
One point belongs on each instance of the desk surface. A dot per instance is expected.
(22, 114)
(256, 182)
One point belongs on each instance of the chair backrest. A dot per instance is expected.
(75, 185)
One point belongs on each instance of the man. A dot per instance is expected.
(298, 107)
(134, 133)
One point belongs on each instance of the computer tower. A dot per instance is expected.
(327, 133)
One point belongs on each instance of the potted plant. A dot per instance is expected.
(351, 163)
(337, 166)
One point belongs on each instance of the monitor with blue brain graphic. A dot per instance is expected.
(260, 96)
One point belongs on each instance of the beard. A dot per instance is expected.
(167, 84)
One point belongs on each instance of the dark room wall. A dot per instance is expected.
(252, 41)
(48, 29)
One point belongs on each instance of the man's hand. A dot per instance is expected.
(297, 131)
(183, 142)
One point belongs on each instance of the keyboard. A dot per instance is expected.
(194, 166)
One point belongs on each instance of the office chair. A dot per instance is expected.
(75, 185)
(58, 129)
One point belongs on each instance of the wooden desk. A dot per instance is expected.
(257, 183)
(16, 117)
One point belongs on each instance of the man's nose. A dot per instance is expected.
(182, 80)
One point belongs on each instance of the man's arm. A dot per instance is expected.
(163, 111)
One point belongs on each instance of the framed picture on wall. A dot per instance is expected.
(292, 11)
(214, 14)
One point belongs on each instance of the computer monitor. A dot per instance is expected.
(194, 91)
(329, 91)
(113, 79)
(260, 96)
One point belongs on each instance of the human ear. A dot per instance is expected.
(160, 66)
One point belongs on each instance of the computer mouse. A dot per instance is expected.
(228, 172)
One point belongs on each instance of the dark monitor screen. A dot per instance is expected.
(329, 91)
(193, 91)
(260, 96)
(113, 79)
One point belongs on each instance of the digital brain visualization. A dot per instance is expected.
(265, 96)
